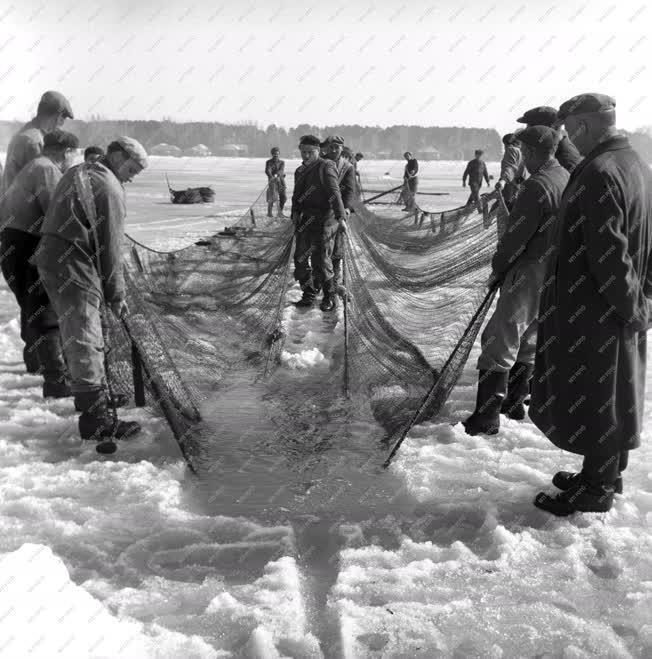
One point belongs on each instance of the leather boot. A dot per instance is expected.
(308, 297)
(565, 480)
(96, 421)
(491, 393)
(518, 389)
(329, 301)
(584, 496)
(53, 366)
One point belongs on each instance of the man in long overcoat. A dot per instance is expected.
(589, 379)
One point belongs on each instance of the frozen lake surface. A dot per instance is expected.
(288, 549)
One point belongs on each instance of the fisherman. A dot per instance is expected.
(27, 144)
(512, 170)
(22, 209)
(80, 263)
(92, 154)
(318, 214)
(508, 342)
(567, 154)
(358, 157)
(346, 180)
(275, 171)
(475, 171)
(589, 381)
(410, 181)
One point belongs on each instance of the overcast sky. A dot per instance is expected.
(446, 63)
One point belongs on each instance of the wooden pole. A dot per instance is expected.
(347, 392)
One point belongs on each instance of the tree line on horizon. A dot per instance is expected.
(425, 142)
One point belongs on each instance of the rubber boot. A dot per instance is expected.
(583, 496)
(491, 393)
(518, 388)
(97, 423)
(329, 301)
(565, 480)
(118, 400)
(308, 298)
(53, 366)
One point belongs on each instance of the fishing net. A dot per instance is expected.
(201, 315)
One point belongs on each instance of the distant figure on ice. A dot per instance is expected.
(318, 214)
(346, 180)
(22, 209)
(276, 190)
(410, 181)
(93, 154)
(512, 170)
(80, 263)
(567, 154)
(588, 387)
(508, 341)
(475, 171)
(25, 145)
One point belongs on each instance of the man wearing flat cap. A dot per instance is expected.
(318, 214)
(509, 339)
(567, 154)
(25, 145)
(79, 259)
(22, 209)
(276, 191)
(346, 179)
(589, 380)
(512, 170)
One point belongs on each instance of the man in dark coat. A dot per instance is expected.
(22, 209)
(318, 214)
(589, 380)
(346, 179)
(512, 171)
(508, 341)
(275, 171)
(567, 154)
(475, 171)
(410, 181)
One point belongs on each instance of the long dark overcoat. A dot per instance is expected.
(589, 380)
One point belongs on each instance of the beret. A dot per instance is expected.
(61, 139)
(539, 137)
(310, 140)
(542, 115)
(585, 104)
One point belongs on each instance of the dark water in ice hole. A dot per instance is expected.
(292, 450)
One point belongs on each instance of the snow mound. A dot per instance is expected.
(44, 614)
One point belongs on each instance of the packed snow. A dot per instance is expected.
(106, 556)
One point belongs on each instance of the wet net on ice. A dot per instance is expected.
(416, 298)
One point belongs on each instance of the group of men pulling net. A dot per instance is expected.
(415, 298)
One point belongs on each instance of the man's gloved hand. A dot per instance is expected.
(341, 224)
(494, 280)
(120, 309)
(463, 184)
(500, 185)
(347, 213)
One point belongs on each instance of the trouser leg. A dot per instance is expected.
(601, 469)
(80, 325)
(325, 245)
(303, 271)
(282, 198)
(338, 255)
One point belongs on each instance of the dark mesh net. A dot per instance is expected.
(416, 300)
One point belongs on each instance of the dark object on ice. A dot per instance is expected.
(491, 393)
(518, 389)
(565, 480)
(200, 195)
(582, 497)
(235, 232)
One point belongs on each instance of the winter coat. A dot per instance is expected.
(567, 154)
(589, 381)
(24, 146)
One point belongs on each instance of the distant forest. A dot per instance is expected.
(248, 139)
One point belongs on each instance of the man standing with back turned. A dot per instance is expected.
(79, 259)
(589, 381)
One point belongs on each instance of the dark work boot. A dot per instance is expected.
(518, 388)
(118, 400)
(565, 480)
(53, 367)
(96, 421)
(583, 496)
(329, 302)
(491, 393)
(308, 298)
